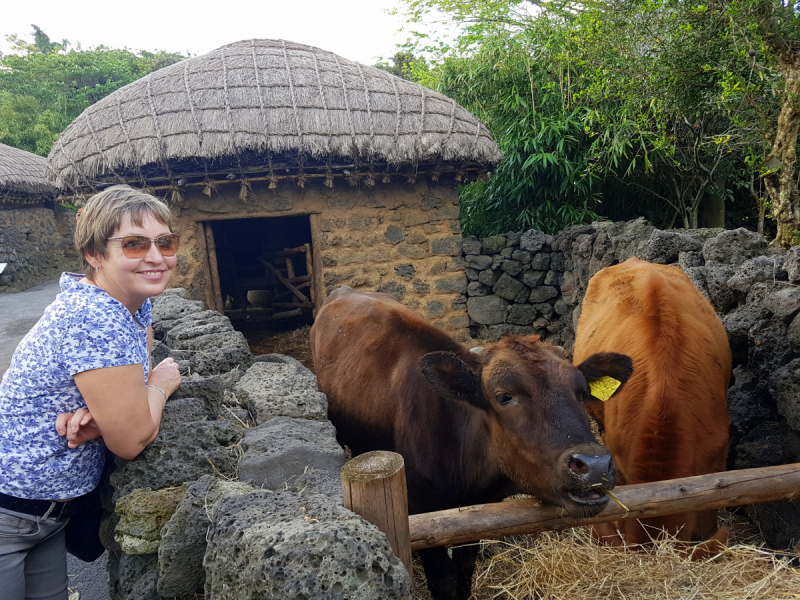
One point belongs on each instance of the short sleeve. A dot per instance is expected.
(145, 313)
(98, 337)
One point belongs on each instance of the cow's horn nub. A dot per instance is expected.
(479, 350)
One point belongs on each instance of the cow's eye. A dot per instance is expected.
(503, 398)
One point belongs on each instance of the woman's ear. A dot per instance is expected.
(93, 260)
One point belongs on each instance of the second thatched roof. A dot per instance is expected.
(242, 107)
(22, 177)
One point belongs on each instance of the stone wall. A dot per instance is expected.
(395, 238)
(33, 241)
(239, 496)
(533, 283)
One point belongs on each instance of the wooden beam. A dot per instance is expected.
(284, 281)
(515, 517)
(209, 286)
(315, 222)
(310, 270)
(214, 268)
(285, 252)
(258, 283)
(292, 304)
(196, 214)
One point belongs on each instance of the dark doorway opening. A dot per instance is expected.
(265, 270)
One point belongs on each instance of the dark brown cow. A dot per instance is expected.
(671, 420)
(472, 426)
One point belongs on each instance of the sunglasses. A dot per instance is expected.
(137, 246)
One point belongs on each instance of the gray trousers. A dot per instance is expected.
(33, 558)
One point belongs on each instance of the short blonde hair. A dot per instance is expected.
(103, 214)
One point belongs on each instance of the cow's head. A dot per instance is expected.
(533, 399)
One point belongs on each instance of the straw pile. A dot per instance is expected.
(22, 177)
(264, 106)
(570, 566)
(264, 340)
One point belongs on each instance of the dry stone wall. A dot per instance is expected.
(404, 240)
(36, 242)
(239, 496)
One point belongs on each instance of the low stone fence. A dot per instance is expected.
(240, 494)
(530, 282)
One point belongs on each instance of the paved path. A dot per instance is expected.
(19, 311)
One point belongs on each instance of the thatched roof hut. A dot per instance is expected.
(266, 109)
(23, 177)
(35, 233)
(291, 171)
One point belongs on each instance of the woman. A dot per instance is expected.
(79, 382)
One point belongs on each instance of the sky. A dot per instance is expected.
(360, 30)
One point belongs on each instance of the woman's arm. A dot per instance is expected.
(126, 413)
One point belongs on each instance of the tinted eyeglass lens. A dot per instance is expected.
(137, 246)
(168, 244)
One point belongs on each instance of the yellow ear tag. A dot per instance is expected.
(604, 387)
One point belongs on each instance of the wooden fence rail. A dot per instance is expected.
(716, 490)
(515, 517)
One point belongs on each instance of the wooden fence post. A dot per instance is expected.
(374, 487)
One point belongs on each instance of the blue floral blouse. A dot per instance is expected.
(83, 329)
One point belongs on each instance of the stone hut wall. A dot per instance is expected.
(396, 238)
(36, 242)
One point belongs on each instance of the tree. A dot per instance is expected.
(45, 86)
(776, 25)
(405, 65)
(671, 105)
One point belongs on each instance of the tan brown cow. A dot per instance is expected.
(671, 418)
(472, 426)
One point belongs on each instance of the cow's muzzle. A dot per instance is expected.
(592, 471)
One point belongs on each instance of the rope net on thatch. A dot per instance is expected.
(267, 108)
(22, 177)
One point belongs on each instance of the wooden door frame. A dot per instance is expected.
(213, 291)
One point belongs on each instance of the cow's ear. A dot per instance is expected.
(450, 376)
(618, 367)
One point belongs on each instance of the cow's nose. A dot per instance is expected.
(593, 470)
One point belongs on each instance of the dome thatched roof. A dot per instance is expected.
(22, 177)
(265, 106)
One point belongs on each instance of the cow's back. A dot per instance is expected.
(670, 420)
(366, 348)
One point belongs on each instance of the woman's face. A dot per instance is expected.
(133, 280)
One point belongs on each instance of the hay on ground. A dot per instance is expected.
(293, 343)
(568, 565)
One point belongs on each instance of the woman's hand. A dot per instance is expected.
(78, 427)
(126, 412)
(166, 376)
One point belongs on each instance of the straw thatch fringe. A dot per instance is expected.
(255, 98)
(23, 177)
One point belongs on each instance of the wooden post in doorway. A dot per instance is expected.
(374, 486)
(211, 299)
(310, 271)
(214, 268)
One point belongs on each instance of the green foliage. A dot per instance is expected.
(45, 87)
(405, 65)
(546, 179)
(649, 105)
